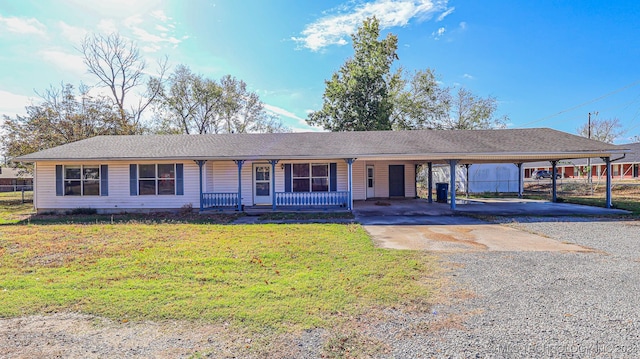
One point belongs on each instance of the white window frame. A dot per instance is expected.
(311, 177)
(82, 180)
(157, 179)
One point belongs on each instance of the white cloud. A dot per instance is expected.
(107, 26)
(160, 15)
(72, 33)
(463, 26)
(302, 124)
(65, 61)
(334, 29)
(151, 42)
(23, 26)
(438, 33)
(12, 104)
(467, 76)
(445, 14)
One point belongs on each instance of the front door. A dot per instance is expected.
(396, 180)
(261, 184)
(370, 182)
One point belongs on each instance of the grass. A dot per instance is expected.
(283, 277)
(629, 204)
(12, 210)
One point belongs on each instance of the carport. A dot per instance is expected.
(463, 148)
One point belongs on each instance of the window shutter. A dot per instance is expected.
(59, 184)
(179, 179)
(287, 177)
(133, 180)
(333, 177)
(104, 180)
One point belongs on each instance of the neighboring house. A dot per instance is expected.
(280, 170)
(623, 168)
(12, 179)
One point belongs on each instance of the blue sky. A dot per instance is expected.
(549, 63)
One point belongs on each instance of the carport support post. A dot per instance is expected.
(554, 182)
(239, 163)
(273, 183)
(520, 184)
(430, 182)
(452, 186)
(607, 161)
(466, 187)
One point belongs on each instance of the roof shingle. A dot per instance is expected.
(421, 144)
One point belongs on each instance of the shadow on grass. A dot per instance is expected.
(147, 218)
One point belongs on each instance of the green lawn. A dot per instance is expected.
(283, 277)
(626, 203)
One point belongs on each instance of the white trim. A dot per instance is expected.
(157, 179)
(366, 181)
(82, 180)
(264, 200)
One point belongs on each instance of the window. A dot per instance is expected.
(81, 180)
(310, 177)
(157, 179)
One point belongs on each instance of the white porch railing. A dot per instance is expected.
(218, 200)
(310, 199)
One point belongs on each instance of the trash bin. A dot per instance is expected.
(442, 189)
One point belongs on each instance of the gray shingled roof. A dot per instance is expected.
(478, 145)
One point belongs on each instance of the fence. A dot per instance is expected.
(16, 188)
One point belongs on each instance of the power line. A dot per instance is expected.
(581, 105)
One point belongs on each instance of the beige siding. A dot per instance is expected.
(218, 176)
(381, 173)
(224, 176)
(119, 198)
(381, 178)
(208, 176)
(359, 173)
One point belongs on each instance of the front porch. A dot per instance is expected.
(312, 185)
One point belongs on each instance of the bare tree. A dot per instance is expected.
(602, 130)
(469, 111)
(117, 64)
(192, 103)
(63, 115)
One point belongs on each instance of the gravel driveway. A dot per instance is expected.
(543, 304)
(495, 305)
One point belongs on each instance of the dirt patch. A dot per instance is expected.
(465, 238)
(72, 335)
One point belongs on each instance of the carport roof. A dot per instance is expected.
(477, 146)
(632, 156)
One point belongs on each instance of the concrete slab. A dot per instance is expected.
(419, 225)
(518, 207)
(464, 238)
(490, 206)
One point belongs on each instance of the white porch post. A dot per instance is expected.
(239, 163)
(273, 183)
(452, 166)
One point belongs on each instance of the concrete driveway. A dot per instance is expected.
(418, 225)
